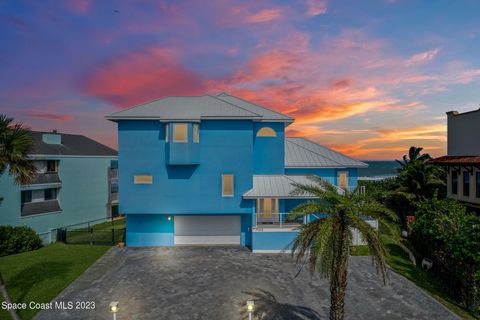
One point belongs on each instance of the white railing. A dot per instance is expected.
(280, 220)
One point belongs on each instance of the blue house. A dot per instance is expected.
(216, 170)
(75, 183)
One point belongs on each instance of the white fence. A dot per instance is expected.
(357, 239)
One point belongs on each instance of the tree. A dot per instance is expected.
(418, 180)
(327, 241)
(15, 144)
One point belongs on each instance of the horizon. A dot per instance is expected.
(368, 79)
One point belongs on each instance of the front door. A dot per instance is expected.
(267, 210)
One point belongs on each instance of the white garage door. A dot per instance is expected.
(195, 230)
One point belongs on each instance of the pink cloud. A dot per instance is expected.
(422, 57)
(316, 7)
(265, 15)
(79, 6)
(141, 76)
(49, 116)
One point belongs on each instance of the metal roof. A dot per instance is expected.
(197, 108)
(277, 186)
(267, 114)
(71, 144)
(303, 153)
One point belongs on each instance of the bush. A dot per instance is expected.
(446, 233)
(18, 239)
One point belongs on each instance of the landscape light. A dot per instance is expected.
(250, 307)
(114, 309)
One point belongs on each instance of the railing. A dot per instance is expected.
(45, 178)
(40, 207)
(283, 220)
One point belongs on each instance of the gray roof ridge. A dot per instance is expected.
(150, 101)
(321, 145)
(238, 107)
(282, 114)
(321, 155)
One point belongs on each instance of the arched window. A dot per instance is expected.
(266, 132)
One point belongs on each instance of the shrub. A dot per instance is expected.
(18, 239)
(446, 233)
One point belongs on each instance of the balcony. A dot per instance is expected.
(45, 178)
(276, 222)
(40, 207)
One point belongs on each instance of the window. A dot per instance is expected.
(166, 132)
(26, 196)
(466, 183)
(180, 132)
(142, 179)
(477, 184)
(51, 166)
(454, 182)
(227, 185)
(343, 180)
(266, 132)
(196, 133)
(50, 194)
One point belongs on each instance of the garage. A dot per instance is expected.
(207, 230)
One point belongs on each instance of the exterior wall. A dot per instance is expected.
(225, 148)
(157, 230)
(269, 152)
(473, 189)
(83, 195)
(329, 174)
(463, 133)
(272, 241)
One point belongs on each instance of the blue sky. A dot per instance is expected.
(367, 78)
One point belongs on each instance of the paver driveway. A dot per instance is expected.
(215, 282)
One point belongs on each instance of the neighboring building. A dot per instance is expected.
(72, 185)
(216, 170)
(463, 157)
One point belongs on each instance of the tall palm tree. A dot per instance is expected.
(325, 243)
(15, 144)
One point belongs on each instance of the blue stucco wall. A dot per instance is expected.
(225, 148)
(83, 195)
(272, 241)
(157, 230)
(269, 152)
(187, 153)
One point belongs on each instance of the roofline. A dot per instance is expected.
(456, 113)
(284, 115)
(277, 197)
(360, 166)
(325, 167)
(258, 119)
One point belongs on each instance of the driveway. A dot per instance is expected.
(215, 282)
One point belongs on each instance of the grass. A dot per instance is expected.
(101, 233)
(42, 274)
(359, 251)
(399, 261)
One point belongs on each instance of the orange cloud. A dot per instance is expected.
(264, 16)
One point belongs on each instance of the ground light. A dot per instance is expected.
(114, 309)
(250, 307)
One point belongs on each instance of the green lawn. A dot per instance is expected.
(42, 274)
(399, 261)
(102, 233)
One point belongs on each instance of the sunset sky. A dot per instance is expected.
(367, 78)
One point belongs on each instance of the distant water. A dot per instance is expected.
(378, 170)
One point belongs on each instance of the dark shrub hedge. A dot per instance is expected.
(18, 239)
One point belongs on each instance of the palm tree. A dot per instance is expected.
(416, 178)
(15, 144)
(325, 243)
